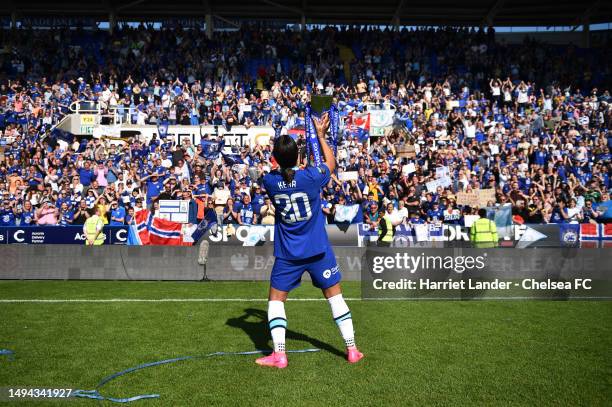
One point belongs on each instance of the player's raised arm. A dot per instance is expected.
(321, 126)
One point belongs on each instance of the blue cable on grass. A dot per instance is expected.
(8, 353)
(95, 394)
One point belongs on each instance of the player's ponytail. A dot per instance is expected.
(285, 153)
(288, 174)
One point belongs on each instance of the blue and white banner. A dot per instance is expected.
(334, 117)
(311, 138)
(174, 210)
(521, 236)
(59, 235)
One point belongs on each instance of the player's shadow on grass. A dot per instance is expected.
(254, 323)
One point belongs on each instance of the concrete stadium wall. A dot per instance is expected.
(69, 262)
(99, 263)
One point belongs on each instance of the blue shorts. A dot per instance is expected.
(323, 270)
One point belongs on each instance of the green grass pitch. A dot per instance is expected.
(417, 352)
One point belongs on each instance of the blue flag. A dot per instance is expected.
(59, 134)
(209, 221)
(502, 216)
(133, 237)
(162, 128)
(231, 159)
(211, 149)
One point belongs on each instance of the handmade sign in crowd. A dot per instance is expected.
(476, 197)
(406, 151)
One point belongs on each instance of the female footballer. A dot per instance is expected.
(300, 242)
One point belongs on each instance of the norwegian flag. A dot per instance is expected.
(165, 232)
(596, 235)
(606, 231)
(358, 124)
(143, 219)
(589, 231)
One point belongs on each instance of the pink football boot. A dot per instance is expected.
(353, 354)
(276, 359)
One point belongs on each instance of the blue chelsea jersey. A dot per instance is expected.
(299, 228)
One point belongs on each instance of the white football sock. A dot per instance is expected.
(277, 321)
(342, 316)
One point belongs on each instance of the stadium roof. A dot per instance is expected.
(380, 12)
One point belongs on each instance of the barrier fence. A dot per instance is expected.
(353, 235)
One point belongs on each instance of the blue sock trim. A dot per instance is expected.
(277, 323)
(343, 317)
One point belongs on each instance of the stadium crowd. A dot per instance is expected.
(531, 121)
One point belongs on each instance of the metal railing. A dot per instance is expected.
(85, 107)
(115, 114)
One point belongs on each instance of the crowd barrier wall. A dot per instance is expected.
(345, 235)
(229, 257)
(114, 262)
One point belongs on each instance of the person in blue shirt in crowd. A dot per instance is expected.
(435, 214)
(326, 207)
(367, 204)
(201, 188)
(7, 214)
(231, 212)
(129, 216)
(590, 214)
(247, 214)
(86, 174)
(415, 219)
(559, 213)
(26, 215)
(117, 214)
(66, 215)
(258, 198)
(155, 185)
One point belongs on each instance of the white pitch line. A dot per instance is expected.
(86, 300)
(107, 300)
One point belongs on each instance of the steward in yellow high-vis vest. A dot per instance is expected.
(93, 228)
(483, 233)
(386, 227)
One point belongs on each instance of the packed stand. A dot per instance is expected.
(518, 119)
